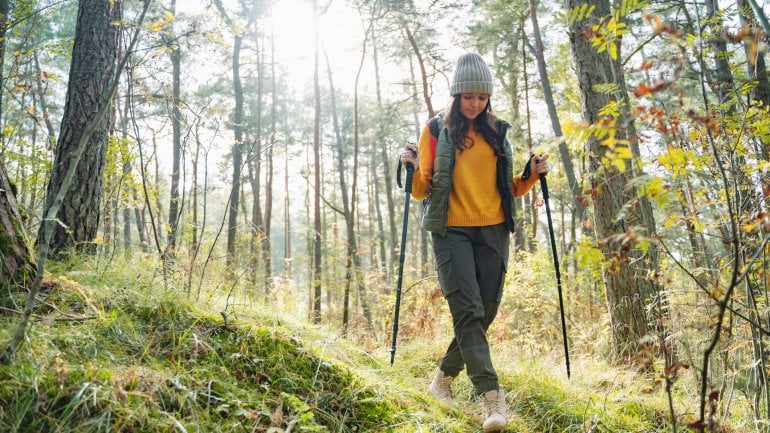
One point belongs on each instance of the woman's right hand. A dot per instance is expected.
(409, 156)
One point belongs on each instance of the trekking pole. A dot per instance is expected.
(544, 188)
(408, 189)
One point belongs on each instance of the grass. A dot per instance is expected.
(113, 353)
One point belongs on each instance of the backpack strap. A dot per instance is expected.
(435, 125)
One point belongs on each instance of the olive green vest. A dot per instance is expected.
(443, 165)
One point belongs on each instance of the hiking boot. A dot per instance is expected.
(494, 405)
(441, 387)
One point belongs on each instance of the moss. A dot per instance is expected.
(6, 244)
(8, 248)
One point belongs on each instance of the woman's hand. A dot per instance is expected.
(409, 155)
(539, 164)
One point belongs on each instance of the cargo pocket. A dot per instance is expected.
(445, 274)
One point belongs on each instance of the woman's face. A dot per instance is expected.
(473, 104)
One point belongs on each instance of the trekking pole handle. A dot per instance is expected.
(543, 186)
(408, 180)
(409, 173)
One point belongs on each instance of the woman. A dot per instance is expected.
(467, 173)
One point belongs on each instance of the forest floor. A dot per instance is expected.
(113, 352)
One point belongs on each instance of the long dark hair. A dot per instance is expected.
(485, 123)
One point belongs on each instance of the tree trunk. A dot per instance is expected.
(343, 175)
(237, 124)
(351, 220)
(316, 300)
(51, 140)
(424, 265)
(269, 171)
(16, 265)
(431, 112)
(91, 72)
(194, 191)
(724, 82)
(176, 149)
(384, 264)
(423, 73)
(128, 182)
(545, 82)
(232, 222)
(756, 57)
(287, 257)
(618, 213)
(4, 4)
(255, 178)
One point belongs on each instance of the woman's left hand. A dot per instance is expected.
(539, 164)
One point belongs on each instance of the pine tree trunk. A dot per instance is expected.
(343, 174)
(353, 253)
(723, 83)
(255, 178)
(238, 128)
(385, 160)
(628, 289)
(317, 255)
(176, 136)
(51, 140)
(269, 174)
(756, 57)
(424, 265)
(3, 30)
(545, 82)
(91, 72)
(232, 223)
(16, 265)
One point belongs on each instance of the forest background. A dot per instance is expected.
(246, 150)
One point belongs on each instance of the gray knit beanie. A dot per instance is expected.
(471, 75)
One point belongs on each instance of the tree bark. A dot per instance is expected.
(255, 178)
(385, 260)
(238, 128)
(176, 147)
(545, 82)
(317, 238)
(232, 222)
(618, 212)
(16, 265)
(756, 57)
(4, 4)
(91, 72)
(270, 172)
(423, 73)
(51, 139)
(351, 220)
(724, 82)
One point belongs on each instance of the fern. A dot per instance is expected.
(579, 13)
(607, 88)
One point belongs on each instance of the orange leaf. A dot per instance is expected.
(643, 89)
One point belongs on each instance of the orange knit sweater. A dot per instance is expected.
(474, 199)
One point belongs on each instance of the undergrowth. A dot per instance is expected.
(109, 353)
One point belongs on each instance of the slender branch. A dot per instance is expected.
(711, 295)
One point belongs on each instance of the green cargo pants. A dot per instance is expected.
(471, 263)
